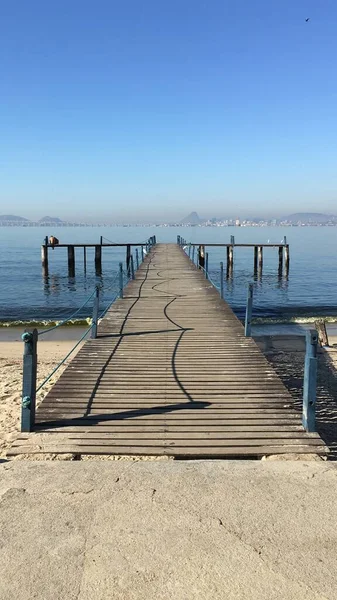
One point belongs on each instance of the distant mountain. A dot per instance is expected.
(191, 219)
(310, 217)
(13, 218)
(55, 220)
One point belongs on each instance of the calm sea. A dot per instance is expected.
(308, 292)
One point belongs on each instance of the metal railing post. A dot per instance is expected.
(221, 280)
(29, 380)
(137, 259)
(193, 253)
(142, 254)
(249, 311)
(121, 280)
(189, 251)
(95, 311)
(132, 268)
(310, 381)
(206, 266)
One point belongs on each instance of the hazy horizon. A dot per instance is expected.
(149, 111)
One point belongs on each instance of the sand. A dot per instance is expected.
(50, 354)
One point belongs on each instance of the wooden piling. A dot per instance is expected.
(44, 258)
(98, 260)
(255, 258)
(128, 260)
(286, 257)
(260, 256)
(230, 257)
(71, 261)
(280, 259)
(201, 257)
(85, 259)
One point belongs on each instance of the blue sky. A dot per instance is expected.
(135, 110)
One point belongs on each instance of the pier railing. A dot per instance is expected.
(310, 364)
(30, 389)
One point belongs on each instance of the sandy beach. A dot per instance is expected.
(50, 353)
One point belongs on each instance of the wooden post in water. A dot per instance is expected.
(221, 280)
(95, 312)
(255, 259)
(280, 259)
(101, 240)
(230, 258)
(310, 381)
(98, 260)
(85, 258)
(132, 267)
(260, 257)
(44, 257)
(121, 280)
(249, 311)
(128, 260)
(201, 257)
(71, 261)
(286, 257)
(29, 380)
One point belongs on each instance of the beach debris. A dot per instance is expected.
(322, 333)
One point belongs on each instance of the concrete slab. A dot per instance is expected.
(168, 530)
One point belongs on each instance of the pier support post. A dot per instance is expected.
(71, 261)
(310, 381)
(206, 266)
(141, 253)
(201, 257)
(260, 256)
(255, 258)
(98, 260)
(230, 258)
(221, 280)
(85, 259)
(44, 257)
(95, 312)
(280, 259)
(128, 260)
(29, 380)
(132, 267)
(286, 257)
(121, 280)
(137, 259)
(249, 311)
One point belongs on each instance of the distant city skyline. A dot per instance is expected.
(148, 111)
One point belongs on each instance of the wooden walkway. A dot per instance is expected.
(170, 374)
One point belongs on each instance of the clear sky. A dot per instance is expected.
(145, 109)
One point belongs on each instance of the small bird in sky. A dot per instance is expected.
(307, 20)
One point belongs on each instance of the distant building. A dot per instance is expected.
(237, 223)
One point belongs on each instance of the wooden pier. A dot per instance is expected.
(98, 248)
(283, 253)
(171, 373)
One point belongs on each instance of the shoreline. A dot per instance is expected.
(74, 332)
